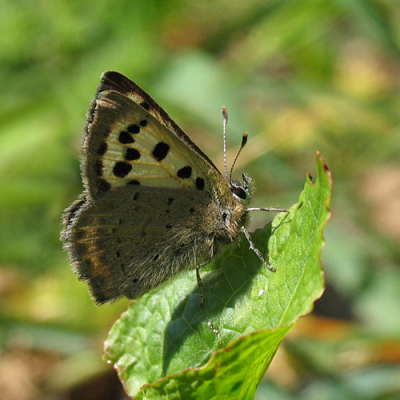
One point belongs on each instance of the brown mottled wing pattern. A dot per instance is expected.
(134, 238)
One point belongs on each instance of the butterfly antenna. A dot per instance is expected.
(244, 141)
(225, 122)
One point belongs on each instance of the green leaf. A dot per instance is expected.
(166, 346)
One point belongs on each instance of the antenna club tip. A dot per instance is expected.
(225, 112)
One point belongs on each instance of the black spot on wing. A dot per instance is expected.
(200, 183)
(103, 185)
(132, 154)
(185, 172)
(101, 150)
(125, 137)
(121, 169)
(134, 128)
(160, 151)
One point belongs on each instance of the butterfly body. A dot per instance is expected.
(153, 205)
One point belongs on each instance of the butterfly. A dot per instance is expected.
(153, 203)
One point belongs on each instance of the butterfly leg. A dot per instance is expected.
(200, 282)
(258, 252)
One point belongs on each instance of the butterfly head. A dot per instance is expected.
(242, 190)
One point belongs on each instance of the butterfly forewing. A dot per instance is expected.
(115, 81)
(128, 145)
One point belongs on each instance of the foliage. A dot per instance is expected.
(298, 76)
(225, 348)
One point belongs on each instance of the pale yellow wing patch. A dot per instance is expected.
(128, 145)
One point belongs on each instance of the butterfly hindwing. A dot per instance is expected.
(134, 238)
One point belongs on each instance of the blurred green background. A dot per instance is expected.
(298, 76)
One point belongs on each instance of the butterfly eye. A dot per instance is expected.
(239, 192)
